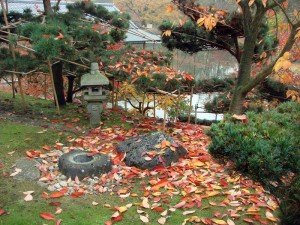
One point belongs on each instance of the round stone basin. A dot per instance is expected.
(83, 164)
(83, 158)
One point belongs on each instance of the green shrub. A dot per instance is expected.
(215, 84)
(266, 149)
(271, 89)
(219, 104)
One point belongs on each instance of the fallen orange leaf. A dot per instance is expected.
(160, 184)
(57, 194)
(47, 216)
(77, 194)
(220, 222)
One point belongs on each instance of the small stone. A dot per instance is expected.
(57, 186)
(39, 160)
(63, 177)
(51, 167)
(58, 152)
(29, 169)
(63, 183)
(51, 188)
(42, 184)
(116, 188)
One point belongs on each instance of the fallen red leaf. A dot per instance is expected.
(2, 211)
(159, 168)
(175, 145)
(0, 165)
(47, 216)
(58, 222)
(45, 195)
(76, 194)
(206, 221)
(55, 203)
(264, 221)
(158, 209)
(64, 190)
(160, 184)
(57, 194)
(217, 213)
(108, 222)
(32, 153)
(46, 147)
(120, 138)
(248, 220)
(180, 205)
(117, 218)
(224, 183)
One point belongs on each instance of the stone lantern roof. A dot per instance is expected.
(94, 78)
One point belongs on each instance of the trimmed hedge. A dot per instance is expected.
(267, 149)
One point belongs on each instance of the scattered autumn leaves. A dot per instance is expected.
(179, 189)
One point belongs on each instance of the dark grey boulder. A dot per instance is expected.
(136, 148)
(29, 169)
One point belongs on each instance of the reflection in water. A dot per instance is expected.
(198, 99)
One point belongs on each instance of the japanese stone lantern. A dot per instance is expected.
(94, 92)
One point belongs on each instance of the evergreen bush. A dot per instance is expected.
(267, 149)
(219, 104)
(215, 84)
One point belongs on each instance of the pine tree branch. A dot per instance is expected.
(133, 106)
(210, 42)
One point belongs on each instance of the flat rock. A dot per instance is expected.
(136, 149)
(29, 169)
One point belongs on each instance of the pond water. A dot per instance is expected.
(198, 99)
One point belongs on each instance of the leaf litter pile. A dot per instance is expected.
(193, 179)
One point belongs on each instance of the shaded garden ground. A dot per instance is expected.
(196, 190)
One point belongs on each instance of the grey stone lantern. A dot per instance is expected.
(94, 92)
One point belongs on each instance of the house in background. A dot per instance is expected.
(135, 35)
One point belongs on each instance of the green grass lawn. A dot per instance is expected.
(16, 138)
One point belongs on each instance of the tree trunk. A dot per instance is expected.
(237, 102)
(58, 82)
(22, 93)
(70, 88)
(47, 7)
(236, 105)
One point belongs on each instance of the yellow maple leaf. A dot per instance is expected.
(251, 2)
(286, 55)
(167, 33)
(263, 55)
(122, 209)
(169, 9)
(200, 21)
(264, 2)
(270, 216)
(220, 222)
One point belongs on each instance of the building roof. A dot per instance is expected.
(134, 34)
